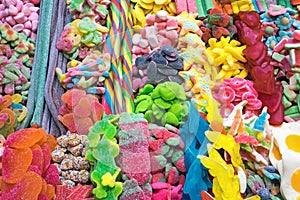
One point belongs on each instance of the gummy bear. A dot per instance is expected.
(15, 164)
(23, 139)
(28, 188)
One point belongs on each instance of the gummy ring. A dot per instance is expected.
(226, 94)
(253, 104)
(75, 37)
(248, 95)
(237, 83)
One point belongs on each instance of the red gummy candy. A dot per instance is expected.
(72, 97)
(46, 155)
(43, 197)
(156, 145)
(36, 169)
(28, 188)
(23, 139)
(157, 177)
(80, 192)
(251, 18)
(136, 165)
(264, 81)
(180, 164)
(61, 192)
(158, 133)
(68, 121)
(63, 110)
(173, 176)
(51, 175)
(97, 111)
(83, 108)
(37, 157)
(15, 164)
(255, 51)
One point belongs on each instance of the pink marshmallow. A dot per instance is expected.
(33, 36)
(172, 35)
(12, 10)
(5, 13)
(150, 19)
(33, 16)
(2, 7)
(161, 25)
(10, 2)
(27, 25)
(10, 20)
(26, 10)
(19, 5)
(18, 27)
(20, 18)
(34, 25)
(172, 24)
(34, 9)
(27, 32)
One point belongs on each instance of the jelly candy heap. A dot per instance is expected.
(26, 163)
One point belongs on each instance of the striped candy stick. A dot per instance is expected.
(127, 57)
(113, 97)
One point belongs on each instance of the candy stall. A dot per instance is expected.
(149, 100)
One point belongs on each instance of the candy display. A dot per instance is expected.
(149, 99)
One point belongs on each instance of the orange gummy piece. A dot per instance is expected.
(50, 191)
(72, 97)
(51, 142)
(28, 188)
(68, 121)
(7, 101)
(44, 136)
(24, 138)
(15, 164)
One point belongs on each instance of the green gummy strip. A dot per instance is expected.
(200, 7)
(35, 103)
(277, 56)
(291, 110)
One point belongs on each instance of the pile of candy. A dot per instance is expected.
(69, 158)
(161, 99)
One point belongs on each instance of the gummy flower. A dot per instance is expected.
(284, 21)
(275, 10)
(269, 28)
(8, 33)
(271, 43)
